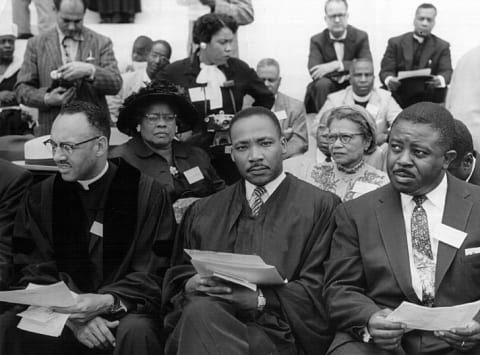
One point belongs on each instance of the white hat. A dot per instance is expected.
(8, 29)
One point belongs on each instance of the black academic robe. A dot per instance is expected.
(294, 236)
(50, 242)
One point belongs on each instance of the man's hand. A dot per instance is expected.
(95, 334)
(7, 97)
(76, 70)
(385, 334)
(205, 284)
(434, 82)
(242, 297)
(320, 70)
(462, 339)
(87, 306)
(393, 83)
(59, 96)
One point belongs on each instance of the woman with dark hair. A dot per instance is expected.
(351, 136)
(216, 82)
(152, 117)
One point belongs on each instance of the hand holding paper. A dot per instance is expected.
(386, 333)
(87, 306)
(464, 338)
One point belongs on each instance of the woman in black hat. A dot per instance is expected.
(152, 117)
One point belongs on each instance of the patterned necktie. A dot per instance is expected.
(257, 203)
(422, 250)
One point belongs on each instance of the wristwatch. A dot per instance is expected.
(116, 307)
(261, 300)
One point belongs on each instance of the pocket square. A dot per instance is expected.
(472, 251)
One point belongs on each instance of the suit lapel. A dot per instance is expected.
(456, 213)
(349, 47)
(52, 47)
(392, 231)
(407, 46)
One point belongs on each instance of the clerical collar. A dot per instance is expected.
(270, 187)
(341, 38)
(86, 183)
(361, 98)
(418, 38)
(351, 170)
(473, 169)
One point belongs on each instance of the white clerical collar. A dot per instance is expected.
(437, 196)
(473, 169)
(361, 98)
(270, 187)
(419, 39)
(342, 37)
(86, 183)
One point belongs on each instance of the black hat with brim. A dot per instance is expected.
(157, 91)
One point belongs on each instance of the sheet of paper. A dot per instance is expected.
(249, 269)
(42, 320)
(47, 296)
(449, 235)
(434, 318)
(281, 115)
(414, 73)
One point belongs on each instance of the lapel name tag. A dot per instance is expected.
(472, 251)
(450, 235)
(97, 229)
(193, 175)
(196, 94)
(281, 115)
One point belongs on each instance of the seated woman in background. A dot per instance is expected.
(152, 117)
(351, 135)
(216, 82)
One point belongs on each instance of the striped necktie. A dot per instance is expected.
(257, 202)
(422, 250)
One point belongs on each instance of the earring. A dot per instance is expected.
(203, 45)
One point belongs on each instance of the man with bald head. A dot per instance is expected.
(95, 226)
(67, 62)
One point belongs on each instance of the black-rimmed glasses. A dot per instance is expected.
(67, 148)
(344, 138)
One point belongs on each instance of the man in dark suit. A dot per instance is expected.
(419, 49)
(465, 165)
(394, 250)
(81, 61)
(13, 183)
(331, 53)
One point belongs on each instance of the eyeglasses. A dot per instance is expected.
(67, 148)
(157, 116)
(344, 138)
(334, 16)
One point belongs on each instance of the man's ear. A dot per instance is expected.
(102, 146)
(449, 157)
(467, 161)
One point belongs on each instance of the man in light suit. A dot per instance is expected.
(378, 102)
(331, 53)
(80, 59)
(289, 111)
(419, 49)
(395, 250)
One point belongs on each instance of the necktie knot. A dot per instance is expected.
(419, 200)
(259, 191)
(257, 201)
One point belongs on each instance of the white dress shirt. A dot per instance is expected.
(434, 207)
(270, 187)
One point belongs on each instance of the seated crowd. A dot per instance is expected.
(362, 198)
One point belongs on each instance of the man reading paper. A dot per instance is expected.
(410, 240)
(268, 213)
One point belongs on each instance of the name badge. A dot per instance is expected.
(97, 229)
(228, 149)
(193, 175)
(450, 235)
(361, 187)
(281, 115)
(196, 94)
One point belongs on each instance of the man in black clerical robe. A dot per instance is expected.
(94, 226)
(289, 226)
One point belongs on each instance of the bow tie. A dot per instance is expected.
(342, 40)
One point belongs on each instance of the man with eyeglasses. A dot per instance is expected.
(331, 54)
(378, 102)
(104, 229)
(416, 50)
(157, 59)
(65, 63)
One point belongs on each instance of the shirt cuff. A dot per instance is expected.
(365, 334)
(93, 71)
(387, 80)
(442, 82)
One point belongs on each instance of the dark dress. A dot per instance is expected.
(243, 81)
(11, 120)
(116, 11)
